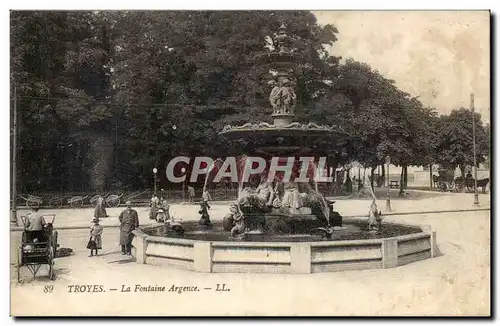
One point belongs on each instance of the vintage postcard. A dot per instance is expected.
(250, 163)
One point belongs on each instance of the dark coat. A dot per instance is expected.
(99, 210)
(129, 221)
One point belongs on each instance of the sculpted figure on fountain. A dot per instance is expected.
(292, 198)
(239, 222)
(374, 217)
(283, 97)
(260, 198)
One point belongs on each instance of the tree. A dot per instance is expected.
(200, 67)
(454, 140)
(59, 64)
(107, 96)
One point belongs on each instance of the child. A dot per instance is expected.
(95, 236)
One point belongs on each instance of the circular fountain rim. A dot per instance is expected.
(241, 241)
(285, 257)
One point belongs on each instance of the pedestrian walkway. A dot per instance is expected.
(417, 201)
(445, 285)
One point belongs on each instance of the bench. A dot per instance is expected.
(394, 184)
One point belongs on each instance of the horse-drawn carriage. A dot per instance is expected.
(38, 247)
(446, 181)
(467, 182)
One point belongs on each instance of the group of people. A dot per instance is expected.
(159, 208)
(191, 194)
(129, 221)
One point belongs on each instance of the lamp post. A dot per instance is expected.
(388, 198)
(13, 215)
(155, 171)
(476, 195)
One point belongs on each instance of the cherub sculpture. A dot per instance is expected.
(282, 97)
(374, 218)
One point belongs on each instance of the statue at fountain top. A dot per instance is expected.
(282, 97)
(283, 39)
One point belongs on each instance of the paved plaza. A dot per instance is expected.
(457, 282)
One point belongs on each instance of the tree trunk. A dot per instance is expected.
(462, 171)
(406, 177)
(332, 172)
(383, 174)
(430, 176)
(372, 174)
(401, 183)
(101, 153)
(358, 180)
(348, 181)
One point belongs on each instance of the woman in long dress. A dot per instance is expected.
(100, 210)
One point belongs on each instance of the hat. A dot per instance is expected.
(95, 220)
(161, 210)
(128, 203)
(331, 202)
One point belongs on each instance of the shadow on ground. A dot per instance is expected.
(123, 261)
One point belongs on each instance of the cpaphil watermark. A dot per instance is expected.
(284, 169)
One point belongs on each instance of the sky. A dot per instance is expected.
(442, 57)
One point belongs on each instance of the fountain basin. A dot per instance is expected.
(290, 254)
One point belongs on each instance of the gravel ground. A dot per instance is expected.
(455, 283)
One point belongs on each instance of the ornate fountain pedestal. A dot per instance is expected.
(282, 120)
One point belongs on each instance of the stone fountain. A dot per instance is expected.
(279, 226)
(276, 206)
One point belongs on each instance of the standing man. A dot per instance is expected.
(34, 223)
(129, 221)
